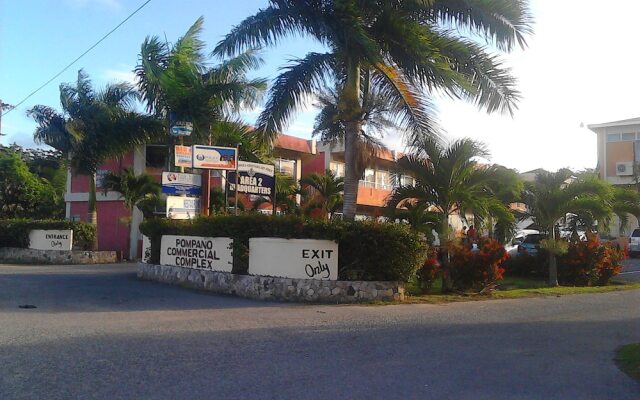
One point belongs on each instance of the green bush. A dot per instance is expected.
(15, 232)
(367, 250)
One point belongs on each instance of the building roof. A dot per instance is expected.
(623, 122)
(289, 142)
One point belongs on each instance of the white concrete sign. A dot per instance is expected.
(212, 254)
(51, 240)
(294, 258)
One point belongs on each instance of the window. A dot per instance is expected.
(406, 180)
(383, 179)
(369, 178)
(156, 157)
(285, 166)
(613, 137)
(626, 137)
(337, 169)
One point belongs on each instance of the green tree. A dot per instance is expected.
(414, 50)
(22, 193)
(326, 192)
(93, 127)
(448, 181)
(287, 190)
(177, 80)
(553, 195)
(133, 188)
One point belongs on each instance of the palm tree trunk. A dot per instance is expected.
(351, 110)
(92, 216)
(351, 177)
(444, 248)
(553, 266)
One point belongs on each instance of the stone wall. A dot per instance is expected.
(31, 256)
(270, 288)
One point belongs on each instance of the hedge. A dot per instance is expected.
(367, 250)
(15, 232)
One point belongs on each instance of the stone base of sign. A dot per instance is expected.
(270, 288)
(32, 256)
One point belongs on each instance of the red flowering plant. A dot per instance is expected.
(476, 269)
(589, 263)
(428, 272)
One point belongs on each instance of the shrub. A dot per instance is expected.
(528, 266)
(428, 273)
(15, 232)
(589, 263)
(368, 250)
(476, 269)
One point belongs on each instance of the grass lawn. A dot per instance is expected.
(509, 288)
(628, 360)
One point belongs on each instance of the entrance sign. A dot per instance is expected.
(183, 156)
(254, 178)
(213, 254)
(51, 240)
(294, 258)
(182, 207)
(214, 157)
(179, 183)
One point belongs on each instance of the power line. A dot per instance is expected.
(78, 58)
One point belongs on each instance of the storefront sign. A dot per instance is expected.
(254, 178)
(213, 254)
(182, 207)
(179, 183)
(183, 156)
(181, 128)
(294, 258)
(51, 240)
(213, 157)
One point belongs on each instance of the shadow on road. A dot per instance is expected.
(109, 288)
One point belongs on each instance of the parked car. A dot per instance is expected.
(512, 247)
(634, 243)
(531, 244)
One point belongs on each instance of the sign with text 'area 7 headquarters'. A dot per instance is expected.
(254, 178)
(294, 258)
(212, 254)
(214, 157)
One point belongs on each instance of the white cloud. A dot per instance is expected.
(121, 74)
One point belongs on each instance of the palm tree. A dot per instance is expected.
(326, 192)
(554, 195)
(448, 181)
(138, 191)
(411, 48)
(177, 81)
(133, 188)
(93, 127)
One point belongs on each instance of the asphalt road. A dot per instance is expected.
(98, 333)
(630, 270)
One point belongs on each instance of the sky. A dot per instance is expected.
(580, 68)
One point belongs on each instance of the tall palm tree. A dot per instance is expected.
(413, 48)
(93, 127)
(553, 195)
(178, 80)
(326, 191)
